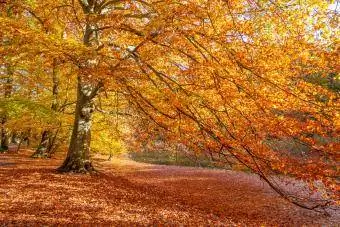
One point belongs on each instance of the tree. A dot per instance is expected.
(46, 144)
(220, 76)
(7, 88)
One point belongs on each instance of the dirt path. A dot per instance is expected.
(126, 193)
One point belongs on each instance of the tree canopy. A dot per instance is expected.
(231, 79)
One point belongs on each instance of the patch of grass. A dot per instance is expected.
(172, 158)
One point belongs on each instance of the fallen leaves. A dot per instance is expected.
(33, 193)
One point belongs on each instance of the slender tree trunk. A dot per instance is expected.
(41, 151)
(78, 156)
(5, 136)
(44, 148)
(8, 87)
(21, 138)
(110, 156)
(53, 145)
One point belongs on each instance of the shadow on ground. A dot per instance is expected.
(126, 193)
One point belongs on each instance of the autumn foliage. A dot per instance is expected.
(225, 78)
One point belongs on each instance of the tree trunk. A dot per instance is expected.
(21, 138)
(41, 151)
(8, 87)
(78, 156)
(5, 136)
(45, 146)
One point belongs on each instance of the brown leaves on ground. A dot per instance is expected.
(126, 193)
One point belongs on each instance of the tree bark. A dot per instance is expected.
(8, 87)
(42, 149)
(46, 143)
(5, 136)
(78, 156)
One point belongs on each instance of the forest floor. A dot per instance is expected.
(126, 193)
